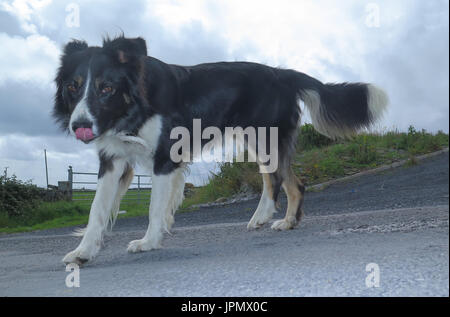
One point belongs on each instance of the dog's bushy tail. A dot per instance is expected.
(341, 110)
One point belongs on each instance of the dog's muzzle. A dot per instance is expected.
(83, 130)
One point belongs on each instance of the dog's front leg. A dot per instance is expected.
(166, 196)
(111, 171)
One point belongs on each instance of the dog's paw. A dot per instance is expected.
(142, 245)
(260, 218)
(283, 224)
(256, 224)
(78, 256)
(253, 225)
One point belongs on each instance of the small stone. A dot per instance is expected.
(220, 200)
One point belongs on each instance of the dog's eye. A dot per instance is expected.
(107, 90)
(72, 88)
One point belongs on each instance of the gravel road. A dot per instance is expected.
(397, 219)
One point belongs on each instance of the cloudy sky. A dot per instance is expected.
(401, 45)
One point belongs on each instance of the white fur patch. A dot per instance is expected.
(82, 110)
(312, 101)
(377, 101)
(150, 132)
(136, 149)
(264, 212)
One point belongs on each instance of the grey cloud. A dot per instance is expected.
(192, 45)
(9, 24)
(25, 108)
(346, 73)
(25, 157)
(97, 19)
(413, 67)
(410, 61)
(195, 46)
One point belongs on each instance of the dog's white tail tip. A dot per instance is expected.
(377, 101)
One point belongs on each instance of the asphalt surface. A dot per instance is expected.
(397, 219)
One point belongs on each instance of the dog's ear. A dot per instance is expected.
(75, 46)
(124, 50)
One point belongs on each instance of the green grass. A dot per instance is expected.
(86, 197)
(365, 151)
(62, 214)
(47, 215)
(230, 180)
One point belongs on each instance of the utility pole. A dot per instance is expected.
(46, 170)
(6, 172)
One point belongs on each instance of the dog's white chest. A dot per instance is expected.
(138, 149)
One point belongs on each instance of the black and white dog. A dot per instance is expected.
(127, 103)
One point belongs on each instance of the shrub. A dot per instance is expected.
(17, 197)
(363, 151)
(309, 138)
(22, 203)
(332, 167)
(233, 176)
(231, 179)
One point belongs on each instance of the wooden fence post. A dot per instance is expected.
(139, 189)
(70, 180)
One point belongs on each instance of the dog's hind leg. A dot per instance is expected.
(294, 190)
(166, 196)
(267, 203)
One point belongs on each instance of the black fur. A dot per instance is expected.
(75, 46)
(225, 94)
(74, 62)
(276, 185)
(301, 188)
(131, 48)
(106, 164)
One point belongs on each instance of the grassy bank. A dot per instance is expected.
(364, 152)
(319, 159)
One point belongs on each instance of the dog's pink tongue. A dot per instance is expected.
(84, 134)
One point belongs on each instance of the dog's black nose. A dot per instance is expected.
(81, 123)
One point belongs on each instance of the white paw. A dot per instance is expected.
(142, 245)
(257, 223)
(284, 224)
(253, 225)
(260, 218)
(79, 256)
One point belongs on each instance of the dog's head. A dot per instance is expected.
(98, 88)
